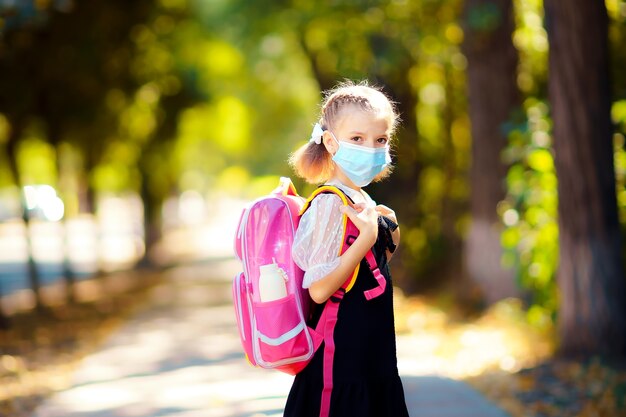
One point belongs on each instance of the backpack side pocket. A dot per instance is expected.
(281, 334)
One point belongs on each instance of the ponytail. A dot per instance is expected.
(312, 162)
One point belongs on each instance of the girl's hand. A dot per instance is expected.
(387, 212)
(365, 219)
(395, 235)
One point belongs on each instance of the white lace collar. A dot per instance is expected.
(356, 196)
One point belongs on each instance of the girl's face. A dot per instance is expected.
(359, 127)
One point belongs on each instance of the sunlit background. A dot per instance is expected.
(133, 132)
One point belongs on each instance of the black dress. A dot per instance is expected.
(365, 371)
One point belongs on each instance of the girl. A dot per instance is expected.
(349, 148)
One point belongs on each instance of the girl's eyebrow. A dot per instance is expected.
(356, 132)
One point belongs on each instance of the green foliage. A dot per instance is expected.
(616, 10)
(531, 40)
(36, 158)
(529, 212)
(619, 118)
(256, 99)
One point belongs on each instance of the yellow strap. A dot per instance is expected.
(344, 199)
(353, 278)
(324, 189)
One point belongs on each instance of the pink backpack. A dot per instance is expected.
(275, 334)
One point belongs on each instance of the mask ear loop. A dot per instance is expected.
(336, 140)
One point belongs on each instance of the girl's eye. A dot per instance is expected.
(382, 140)
(356, 139)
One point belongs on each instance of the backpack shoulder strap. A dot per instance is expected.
(326, 189)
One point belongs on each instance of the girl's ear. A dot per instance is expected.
(329, 142)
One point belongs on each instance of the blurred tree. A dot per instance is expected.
(33, 274)
(493, 101)
(530, 237)
(592, 315)
(70, 67)
(529, 212)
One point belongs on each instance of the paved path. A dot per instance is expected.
(182, 358)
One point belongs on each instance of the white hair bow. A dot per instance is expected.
(316, 135)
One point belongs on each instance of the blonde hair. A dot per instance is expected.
(312, 161)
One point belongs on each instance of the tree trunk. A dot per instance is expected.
(150, 218)
(493, 98)
(69, 279)
(33, 274)
(5, 321)
(592, 314)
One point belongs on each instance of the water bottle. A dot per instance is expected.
(272, 282)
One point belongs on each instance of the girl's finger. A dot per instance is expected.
(359, 207)
(387, 212)
(348, 211)
(357, 217)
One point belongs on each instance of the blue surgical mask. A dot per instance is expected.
(361, 163)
